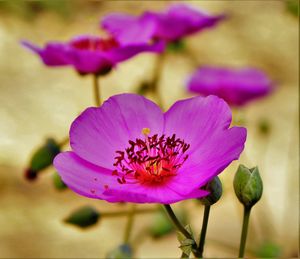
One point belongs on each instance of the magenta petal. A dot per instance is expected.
(126, 52)
(181, 20)
(142, 194)
(86, 61)
(96, 182)
(52, 55)
(83, 177)
(129, 29)
(210, 158)
(98, 133)
(195, 119)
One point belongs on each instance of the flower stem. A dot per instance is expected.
(96, 89)
(129, 224)
(203, 230)
(176, 221)
(244, 231)
(180, 228)
(157, 77)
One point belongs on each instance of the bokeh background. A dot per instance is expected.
(38, 102)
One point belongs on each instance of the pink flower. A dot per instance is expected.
(90, 54)
(129, 150)
(177, 22)
(236, 86)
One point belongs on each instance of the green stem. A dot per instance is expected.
(176, 222)
(96, 89)
(181, 229)
(203, 230)
(129, 224)
(244, 231)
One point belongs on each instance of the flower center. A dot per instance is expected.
(95, 44)
(152, 160)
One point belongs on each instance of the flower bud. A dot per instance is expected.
(58, 183)
(42, 158)
(215, 189)
(121, 252)
(83, 217)
(248, 185)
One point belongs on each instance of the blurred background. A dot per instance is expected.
(39, 102)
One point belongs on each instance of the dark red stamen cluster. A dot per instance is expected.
(150, 161)
(95, 44)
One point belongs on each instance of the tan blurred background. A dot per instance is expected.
(37, 102)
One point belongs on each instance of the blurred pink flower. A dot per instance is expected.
(90, 54)
(179, 21)
(236, 86)
(129, 150)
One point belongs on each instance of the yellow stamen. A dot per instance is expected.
(146, 131)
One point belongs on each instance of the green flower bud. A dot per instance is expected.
(121, 252)
(58, 183)
(42, 158)
(248, 185)
(83, 217)
(215, 189)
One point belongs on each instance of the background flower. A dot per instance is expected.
(128, 150)
(90, 54)
(236, 86)
(178, 21)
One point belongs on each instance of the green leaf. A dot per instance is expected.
(186, 244)
(269, 250)
(83, 217)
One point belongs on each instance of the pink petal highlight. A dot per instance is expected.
(197, 118)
